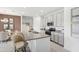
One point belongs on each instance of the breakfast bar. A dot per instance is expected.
(38, 42)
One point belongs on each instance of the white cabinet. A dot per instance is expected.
(61, 39)
(43, 45)
(58, 38)
(40, 45)
(75, 11)
(56, 17)
(37, 24)
(60, 19)
(32, 45)
(7, 46)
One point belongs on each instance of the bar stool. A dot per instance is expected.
(20, 43)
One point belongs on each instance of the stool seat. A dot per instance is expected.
(19, 44)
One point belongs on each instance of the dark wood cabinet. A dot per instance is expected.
(16, 22)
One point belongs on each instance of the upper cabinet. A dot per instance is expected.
(60, 19)
(57, 18)
(54, 19)
(75, 11)
(37, 24)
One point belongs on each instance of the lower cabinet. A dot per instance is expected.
(40, 45)
(61, 39)
(43, 45)
(7, 47)
(58, 38)
(32, 45)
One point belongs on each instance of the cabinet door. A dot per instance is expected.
(54, 19)
(61, 39)
(42, 22)
(52, 36)
(46, 20)
(43, 45)
(32, 45)
(56, 37)
(60, 19)
(7, 47)
(75, 11)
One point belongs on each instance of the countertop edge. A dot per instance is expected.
(37, 38)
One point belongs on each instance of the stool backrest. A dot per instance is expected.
(19, 37)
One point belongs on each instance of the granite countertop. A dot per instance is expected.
(30, 36)
(6, 40)
(34, 36)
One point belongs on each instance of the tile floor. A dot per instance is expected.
(56, 48)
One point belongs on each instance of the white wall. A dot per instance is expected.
(37, 23)
(70, 43)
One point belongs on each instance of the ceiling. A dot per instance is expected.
(31, 11)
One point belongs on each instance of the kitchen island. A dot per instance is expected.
(38, 42)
